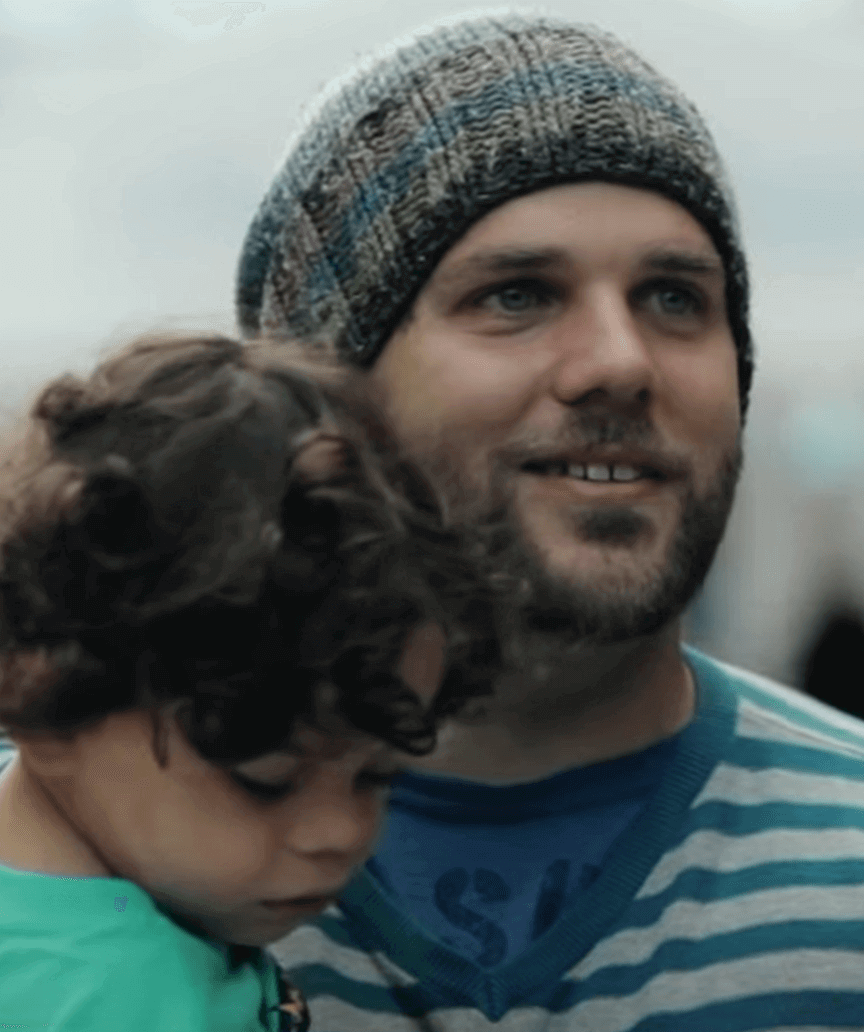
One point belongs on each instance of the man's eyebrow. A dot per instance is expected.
(517, 260)
(521, 259)
(696, 262)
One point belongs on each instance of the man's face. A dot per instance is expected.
(571, 356)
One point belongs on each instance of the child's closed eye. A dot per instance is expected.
(368, 779)
(263, 790)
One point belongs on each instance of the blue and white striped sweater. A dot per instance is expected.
(735, 902)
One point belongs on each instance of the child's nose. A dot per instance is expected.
(339, 827)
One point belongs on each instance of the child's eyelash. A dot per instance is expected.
(269, 793)
(260, 789)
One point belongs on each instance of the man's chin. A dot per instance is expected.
(600, 574)
(602, 569)
(606, 610)
(590, 590)
(604, 546)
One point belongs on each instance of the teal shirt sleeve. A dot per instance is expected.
(97, 955)
(67, 986)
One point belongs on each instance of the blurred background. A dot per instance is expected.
(138, 136)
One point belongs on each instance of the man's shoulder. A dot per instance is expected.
(788, 785)
(783, 717)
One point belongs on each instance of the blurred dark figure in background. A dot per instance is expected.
(831, 667)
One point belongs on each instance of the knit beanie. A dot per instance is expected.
(413, 149)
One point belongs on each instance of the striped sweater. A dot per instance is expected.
(734, 902)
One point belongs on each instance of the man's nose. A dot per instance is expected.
(603, 353)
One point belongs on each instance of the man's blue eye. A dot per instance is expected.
(677, 301)
(515, 298)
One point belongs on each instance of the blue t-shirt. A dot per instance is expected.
(488, 869)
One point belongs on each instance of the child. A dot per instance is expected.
(223, 606)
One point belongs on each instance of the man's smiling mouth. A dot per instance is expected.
(598, 472)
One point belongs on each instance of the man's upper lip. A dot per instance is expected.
(639, 458)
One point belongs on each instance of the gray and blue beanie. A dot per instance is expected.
(415, 148)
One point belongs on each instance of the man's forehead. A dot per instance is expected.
(554, 228)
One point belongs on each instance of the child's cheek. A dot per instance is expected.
(231, 855)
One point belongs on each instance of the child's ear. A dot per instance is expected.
(324, 456)
(421, 666)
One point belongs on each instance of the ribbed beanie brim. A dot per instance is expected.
(414, 149)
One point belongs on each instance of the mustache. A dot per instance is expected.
(610, 428)
(585, 431)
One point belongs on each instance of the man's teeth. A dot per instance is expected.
(597, 471)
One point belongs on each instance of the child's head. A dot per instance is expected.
(218, 584)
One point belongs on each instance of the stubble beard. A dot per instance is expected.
(549, 619)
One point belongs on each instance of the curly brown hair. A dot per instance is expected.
(161, 548)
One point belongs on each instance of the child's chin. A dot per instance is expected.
(263, 934)
(239, 930)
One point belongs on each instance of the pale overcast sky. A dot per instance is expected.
(139, 135)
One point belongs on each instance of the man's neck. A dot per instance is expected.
(612, 701)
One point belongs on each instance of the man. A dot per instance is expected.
(525, 234)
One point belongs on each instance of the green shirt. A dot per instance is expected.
(97, 955)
